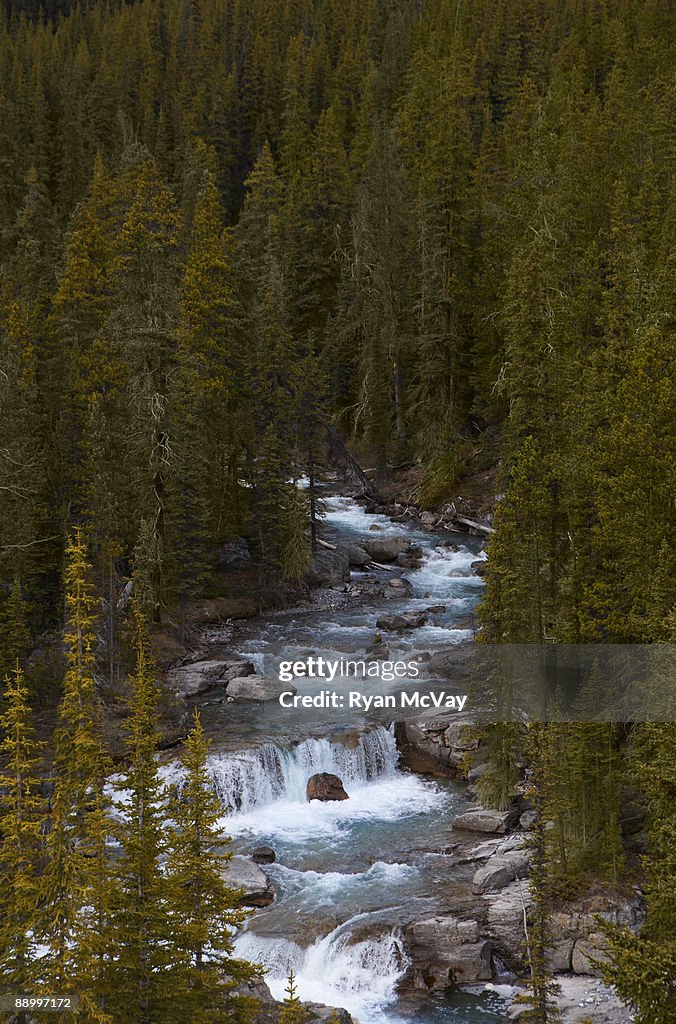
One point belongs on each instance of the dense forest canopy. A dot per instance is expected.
(444, 228)
(223, 223)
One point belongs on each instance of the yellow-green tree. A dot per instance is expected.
(205, 909)
(21, 814)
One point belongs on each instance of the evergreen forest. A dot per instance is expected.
(439, 231)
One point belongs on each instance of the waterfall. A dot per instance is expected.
(362, 976)
(247, 779)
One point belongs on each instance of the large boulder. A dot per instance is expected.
(357, 555)
(446, 952)
(325, 786)
(257, 688)
(201, 676)
(507, 911)
(257, 889)
(576, 936)
(485, 819)
(264, 855)
(500, 870)
(431, 744)
(329, 568)
(386, 549)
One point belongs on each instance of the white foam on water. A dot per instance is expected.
(248, 779)
(359, 976)
(441, 634)
(296, 821)
(263, 789)
(442, 571)
(346, 513)
(324, 886)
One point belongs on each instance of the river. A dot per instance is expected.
(349, 875)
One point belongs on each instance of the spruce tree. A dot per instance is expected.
(14, 633)
(293, 1011)
(21, 815)
(77, 884)
(642, 967)
(205, 909)
(540, 999)
(140, 978)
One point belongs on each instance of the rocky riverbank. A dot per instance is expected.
(479, 937)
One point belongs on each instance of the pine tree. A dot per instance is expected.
(76, 883)
(642, 966)
(293, 1011)
(208, 401)
(296, 544)
(14, 633)
(21, 811)
(205, 910)
(540, 998)
(143, 957)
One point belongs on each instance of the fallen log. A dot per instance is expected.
(471, 523)
(325, 544)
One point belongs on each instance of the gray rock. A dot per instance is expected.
(485, 819)
(455, 662)
(257, 688)
(401, 585)
(527, 820)
(242, 873)
(446, 952)
(458, 738)
(386, 549)
(408, 561)
(423, 745)
(398, 623)
(202, 676)
(505, 922)
(593, 947)
(357, 555)
(559, 955)
(501, 845)
(378, 652)
(475, 773)
(479, 567)
(319, 1013)
(328, 568)
(500, 870)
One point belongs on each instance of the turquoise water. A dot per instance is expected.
(350, 876)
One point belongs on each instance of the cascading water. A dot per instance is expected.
(251, 778)
(362, 976)
(349, 875)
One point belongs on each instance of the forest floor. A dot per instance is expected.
(474, 494)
